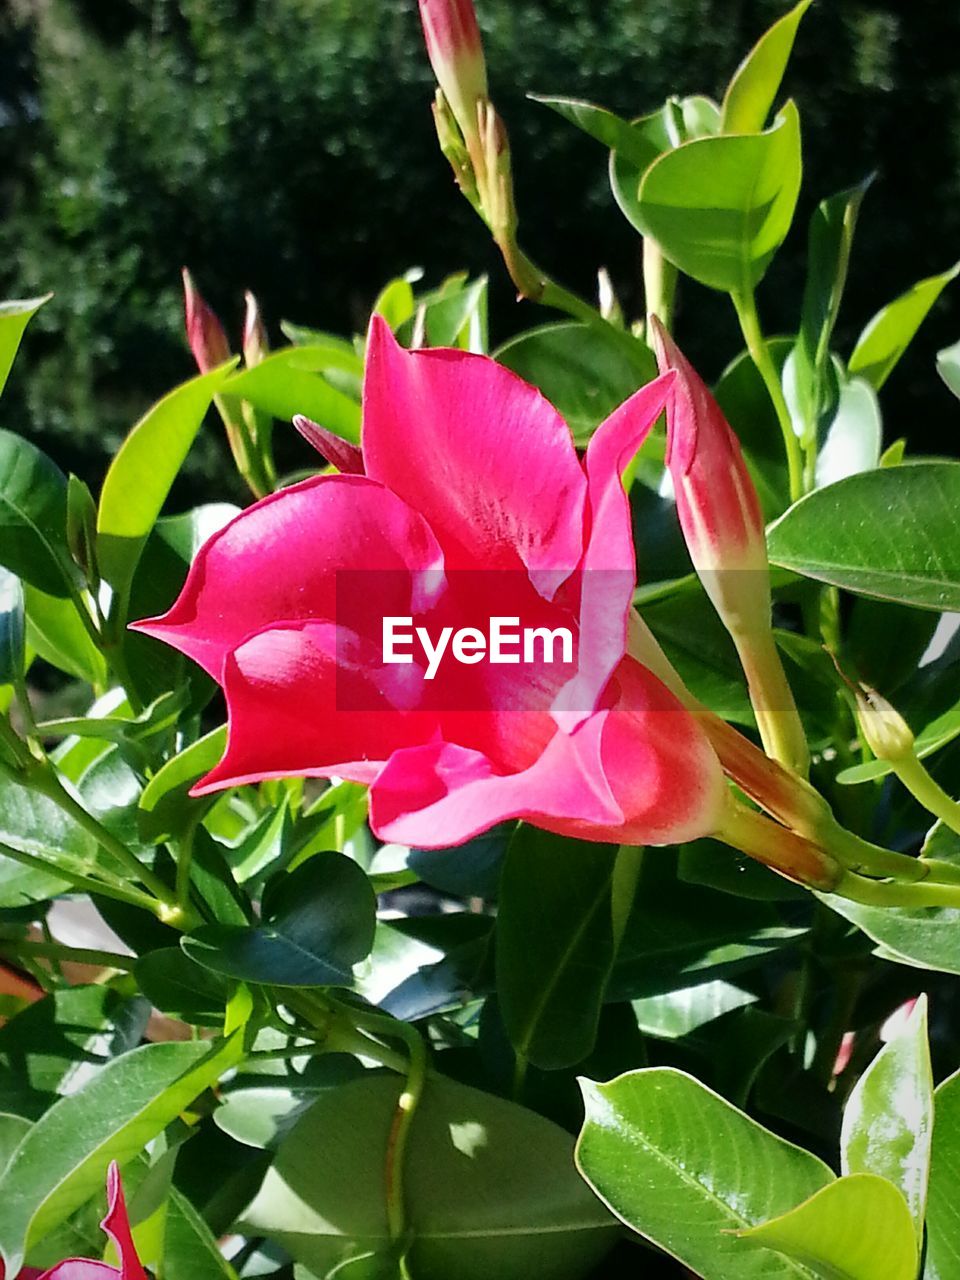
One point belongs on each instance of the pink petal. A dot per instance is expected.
(77, 1269)
(481, 454)
(340, 453)
(609, 563)
(301, 703)
(117, 1226)
(279, 561)
(441, 794)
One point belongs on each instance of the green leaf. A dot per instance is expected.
(721, 207)
(684, 1168)
(828, 255)
(583, 372)
(751, 92)
(631, 142)
(653, 135)
(676, 1013)
(891, 330)
(190, 1251)
(33, 516)
(302, 380)
(555, 945)
(14, 318)
(395, 302)
(13, 1129)
(166, 807)
(177, 986)
(911, 554)
(318, 922)
(55, 631)
(490, 1187)
(64, 1158)
(34, 825)
(140, 476)
(857, 1228)
(888, 1119)
(854, 436)
(11, 628)
(948, 366)
(943, 1208)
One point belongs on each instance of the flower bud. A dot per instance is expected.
(884, 729)
(256, 345)
(208, 342)
(456, 55)
(723, 528)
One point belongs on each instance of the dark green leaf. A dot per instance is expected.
(318, 923)
(11, 627)
(176, 985)
(33, 515)
(911, 554)
(555, 945)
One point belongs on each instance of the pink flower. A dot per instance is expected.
(473, 506)
(456, 55)
(117, 1226)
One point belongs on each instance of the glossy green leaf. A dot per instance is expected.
(720, 207)
(177, 986)
(854, 436)
(756, 82)
(948, 366)
(490, 1187)
(55, 631)
(165, 804)
(911, 555)
(888, 1119)
(34, 825)
(684, 1168)
(11, 627)
(555, 945)
(891, 330)
(13, 1129)
(857, 1228)
(14, 318)
(630, 141)
(302, 380)
(63, 1160)
(676, 1013)
(943, 1209)
(140, 475)
(584, 372)
(33, 516)
(653, 135)
(318, 922)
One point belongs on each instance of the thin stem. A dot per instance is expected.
(892, 893)
(59, 951)
(924, 789)
(184, 866)
(45, 779)
(777, 847)
(659, 283)
(746, 308)
(781, 729)
(65, 869)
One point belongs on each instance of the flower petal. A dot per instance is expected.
(480, 453)
(441, 794)
(302, 703)
(340, 453)
(76, 1269)
(117, 1226)
(279, 561)
(609, 562)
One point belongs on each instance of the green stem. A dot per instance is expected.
(59, 951)
(66, 869)
(746, 308)
(627, 867)
(184, 865)
(659, 283)
(781, 730)
(44, 778)
(924, 789)
(893, 893)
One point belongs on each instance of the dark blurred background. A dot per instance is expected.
(287, 146)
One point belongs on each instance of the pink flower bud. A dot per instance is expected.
(456, 55)
(208, 342)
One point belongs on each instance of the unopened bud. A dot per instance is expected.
(256, 345)
(455, 51)
(884, 729)
(205, 333)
